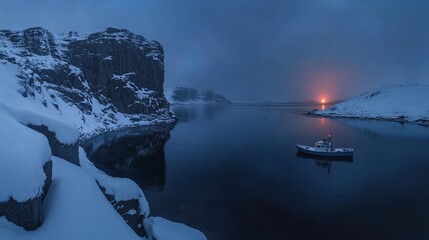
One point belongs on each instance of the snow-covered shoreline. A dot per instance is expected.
(400, 103)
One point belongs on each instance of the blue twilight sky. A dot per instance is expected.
(259, 50)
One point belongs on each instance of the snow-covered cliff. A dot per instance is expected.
(97, 82)
(404, 103)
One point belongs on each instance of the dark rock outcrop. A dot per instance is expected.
(69, 152)
(28, 214)
(116, 63)
(185, 94)
(210, 96)
(191, 95)
(130, 212)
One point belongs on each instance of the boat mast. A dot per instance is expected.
(330, 134)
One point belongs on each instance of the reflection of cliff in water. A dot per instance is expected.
(136, 153)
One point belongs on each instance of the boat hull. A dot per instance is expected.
(341, 152)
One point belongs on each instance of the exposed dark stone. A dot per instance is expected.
(47, 168)
(135, 221)
(69, 152)
(27, 214)
(101, 58)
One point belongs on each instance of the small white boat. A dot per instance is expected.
(325, 148)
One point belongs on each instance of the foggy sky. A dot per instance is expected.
(259, 50)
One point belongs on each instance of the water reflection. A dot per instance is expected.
(192, 112)
(136, 153)
(324, 162)
(235, 175)
(386, 128)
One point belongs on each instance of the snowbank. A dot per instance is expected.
(405, 103)
(74, 208)
(163, 229)
(23, 153)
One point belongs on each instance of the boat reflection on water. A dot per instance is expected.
(136, 153)
(324, 162)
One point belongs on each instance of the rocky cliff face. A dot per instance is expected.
(103, 80)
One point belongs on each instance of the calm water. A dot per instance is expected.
(233, 173)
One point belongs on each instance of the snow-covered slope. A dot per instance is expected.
(23, 154)
(405, 103)
(74, 208)
(163, 229)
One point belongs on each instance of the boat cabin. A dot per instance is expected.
(324, 146)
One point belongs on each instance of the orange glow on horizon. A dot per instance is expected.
(325, 81)
(323, 101)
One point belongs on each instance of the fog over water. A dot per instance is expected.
(259, 50)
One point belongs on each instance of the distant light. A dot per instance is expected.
(323, 101)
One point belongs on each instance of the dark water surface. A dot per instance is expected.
(233, 172)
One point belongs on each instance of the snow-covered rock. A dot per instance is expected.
(124, 195)
(404, 103)
(74, 208)
(163, 229)
(23, 153)
(25, 172)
